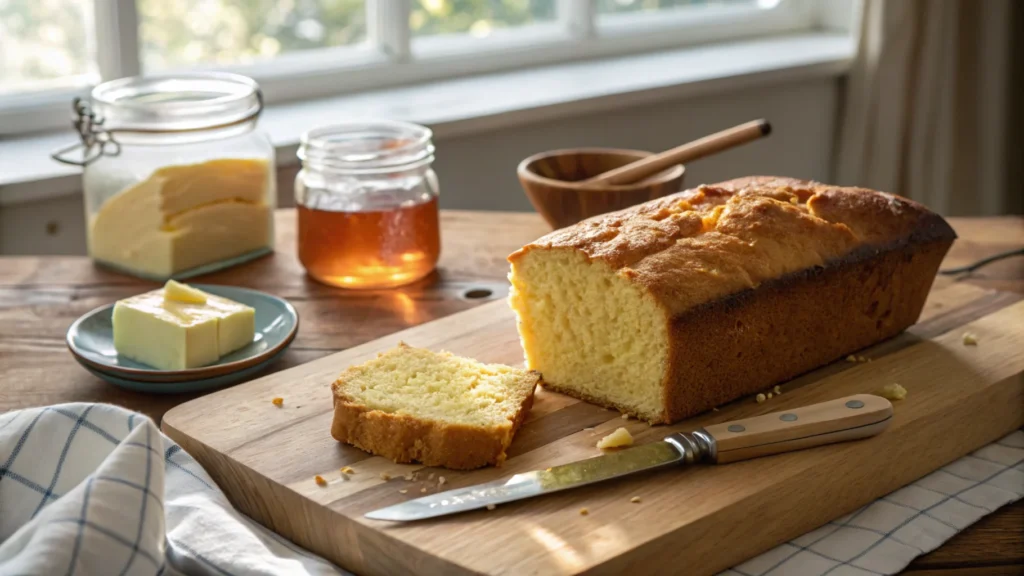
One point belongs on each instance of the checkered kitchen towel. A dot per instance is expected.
(96, 489)
(93, 489)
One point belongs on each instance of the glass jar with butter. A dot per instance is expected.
(367, 204)
(177, 180)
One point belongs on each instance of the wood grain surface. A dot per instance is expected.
(40, 297)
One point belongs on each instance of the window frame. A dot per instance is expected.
(392, 57)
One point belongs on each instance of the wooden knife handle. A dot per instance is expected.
(849, 418)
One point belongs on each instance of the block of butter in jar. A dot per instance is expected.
(185, 216)
(179, 327)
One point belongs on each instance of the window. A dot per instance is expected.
(51, 50)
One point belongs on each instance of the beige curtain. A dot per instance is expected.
(926, 112)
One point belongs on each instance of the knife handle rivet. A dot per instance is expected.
(736, 428)
(854, 404)
(788, 417)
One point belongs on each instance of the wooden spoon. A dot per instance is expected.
(637, 171)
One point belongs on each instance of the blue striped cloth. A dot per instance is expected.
(97, 489)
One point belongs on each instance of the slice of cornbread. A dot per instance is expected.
(411, 404)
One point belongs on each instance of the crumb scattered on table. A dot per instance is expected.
(635, 499)
(385, 476)
(491, 506)
(970, 339)
(441, 481)
(621, 437)
(430, 476)
(347, 470)
(403, 491)
(893, 392)
(714, 410)
(851, 358)
(769, 396)
(584, 511)
(777, 390)
(423, 490)
(278, 401)
(319, 480)
(625, 416)
(760, 398)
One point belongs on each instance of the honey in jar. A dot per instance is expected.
(367, 205)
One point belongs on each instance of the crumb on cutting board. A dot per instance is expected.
(385, 476)
(403, 491)
(621, 437)
(893, 392)
(347, 470)
(441, 481)
(760, 398)
(423, 490)
(625, 416)
(491, 506)
(584, 511)
(970, 339)
(278, 401)
(777, 390)
(319, 480)
(635, 499)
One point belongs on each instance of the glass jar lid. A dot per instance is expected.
(369, 147)
(183, 102)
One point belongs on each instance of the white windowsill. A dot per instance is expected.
(490, 102)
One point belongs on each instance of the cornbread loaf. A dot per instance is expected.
(411, 404)
(672, 307)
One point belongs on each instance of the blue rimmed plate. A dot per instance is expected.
(91, 341)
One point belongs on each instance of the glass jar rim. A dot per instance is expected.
(370, 145)
(177, 102)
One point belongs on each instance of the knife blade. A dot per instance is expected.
(849, 418)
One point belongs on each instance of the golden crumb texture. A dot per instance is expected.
(674, 306)
(415, 405)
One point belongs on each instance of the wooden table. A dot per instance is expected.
(40, 297)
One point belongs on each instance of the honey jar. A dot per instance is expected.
(367, 204)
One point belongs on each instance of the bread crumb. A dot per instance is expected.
(777, 390)
(893, 392)
(760, 398)
(970, 339)
(409, 477)
(319, 480)
(441, 481)
(278, 401)
(423, 490)
(714, 410)
(345, 477)
(584, 511)
(430, 476)
(851, 358)
(621, 437)
(635, 499)
(547, 469)
(347, 470)
(769, 396)
(491, 506)
(625, 416)
(385, 476)
(403, 491)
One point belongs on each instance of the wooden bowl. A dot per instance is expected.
(551, 181)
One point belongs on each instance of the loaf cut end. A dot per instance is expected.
(411, 404)
(596, 333)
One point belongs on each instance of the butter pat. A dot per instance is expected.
(185, 216)
(171, 329)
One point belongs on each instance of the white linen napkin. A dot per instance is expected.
(97, 489)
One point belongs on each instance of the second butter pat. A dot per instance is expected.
(169, 330)
(185, 216)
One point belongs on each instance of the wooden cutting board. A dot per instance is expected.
(696, 520)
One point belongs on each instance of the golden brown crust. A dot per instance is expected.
(765, 277)
(405, 439)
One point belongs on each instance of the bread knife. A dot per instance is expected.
(850, 418)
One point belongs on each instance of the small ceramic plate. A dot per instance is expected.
(91, 341)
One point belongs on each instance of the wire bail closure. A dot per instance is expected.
(97, 141)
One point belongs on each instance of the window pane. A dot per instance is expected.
(45, 44)
(619, 6)
(476, 17)
(181, 33)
